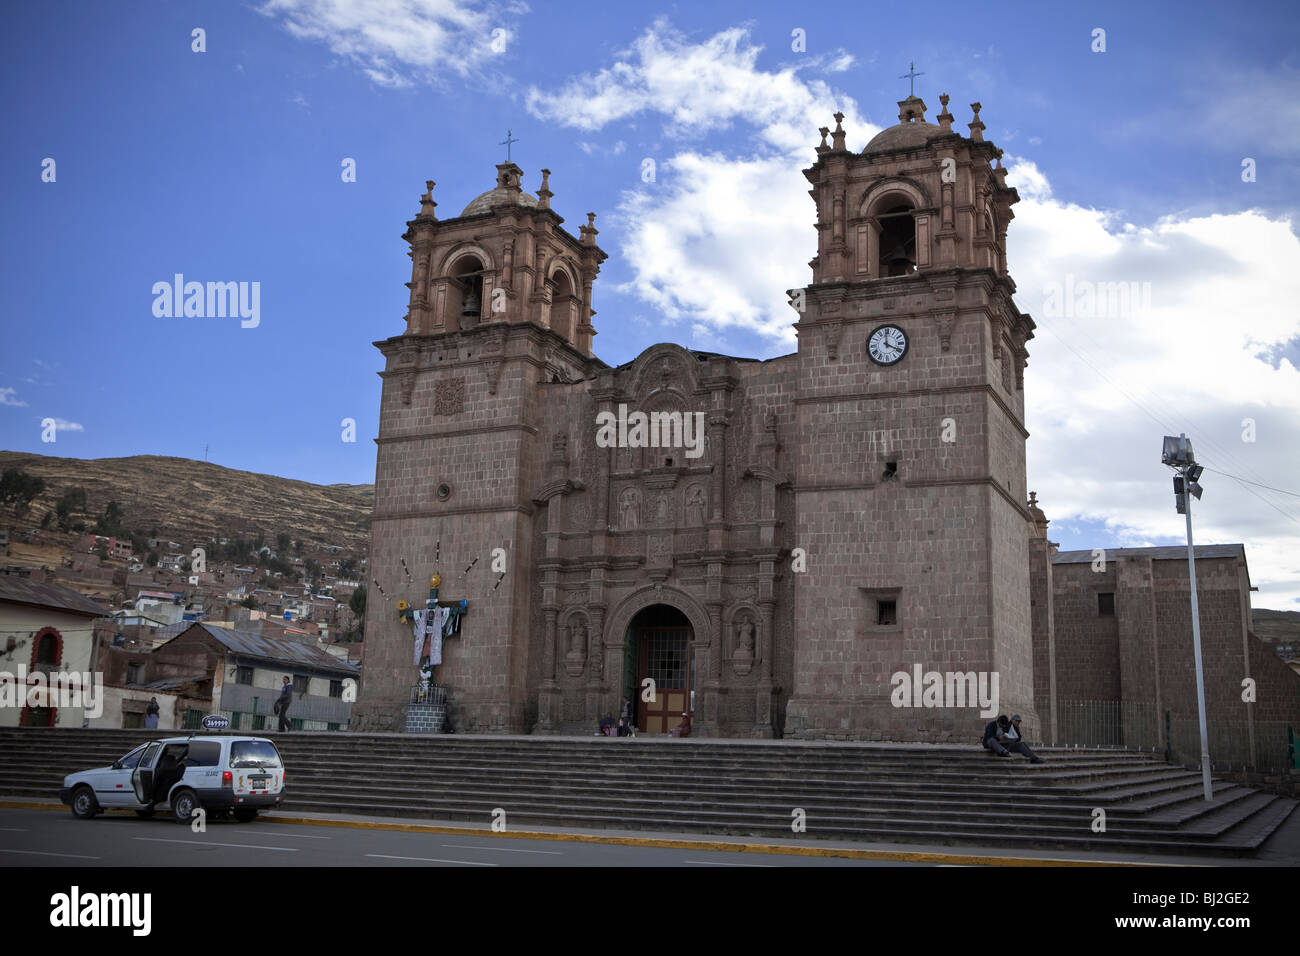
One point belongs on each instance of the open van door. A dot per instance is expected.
(142, 775)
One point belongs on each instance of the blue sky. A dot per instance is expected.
(225, 166)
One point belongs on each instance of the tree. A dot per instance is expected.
(358, 603)
(297, 547)
(47, 520)
(110, 522)
(152, 559)
(312, 567)
(249, 602)
(347, 566)
(70, 503)
(20, 488)
(282, 542)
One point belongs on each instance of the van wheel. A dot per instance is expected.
(147, 813)
(184, 805)
(83, 803)
(246, 816)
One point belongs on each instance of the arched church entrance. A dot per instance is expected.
(658, 646)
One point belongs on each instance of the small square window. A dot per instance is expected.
(336, 688)
(300, 684)
(244, 676)
(1105, 604)
(880, 608)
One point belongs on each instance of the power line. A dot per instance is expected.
(1280, 491)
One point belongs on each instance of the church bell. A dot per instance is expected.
(899, 257)
(473, 301)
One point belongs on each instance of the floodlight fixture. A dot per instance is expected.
(1178, 451)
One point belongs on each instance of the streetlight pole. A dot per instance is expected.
(1196, 645)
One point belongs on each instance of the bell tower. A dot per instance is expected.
(911, 492)
(499, 310)
(505, 258)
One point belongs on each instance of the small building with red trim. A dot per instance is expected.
(44, 628)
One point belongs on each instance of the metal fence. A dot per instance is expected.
(1259, 745)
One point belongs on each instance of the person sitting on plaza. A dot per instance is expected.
(606, 726)
(684, 728)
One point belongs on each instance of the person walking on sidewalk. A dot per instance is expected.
(282, 704)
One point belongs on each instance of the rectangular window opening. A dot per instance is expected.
(1105, 604)
(886, 612)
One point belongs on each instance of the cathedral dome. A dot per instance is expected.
(902, 136)
(500, 196)
(911, 131)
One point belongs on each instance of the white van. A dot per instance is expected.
(220, 773)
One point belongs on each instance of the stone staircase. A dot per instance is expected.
(862, 792)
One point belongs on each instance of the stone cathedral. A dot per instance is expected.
(848, 511)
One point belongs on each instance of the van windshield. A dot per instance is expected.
(254, 753)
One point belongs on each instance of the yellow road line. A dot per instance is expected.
(899, 856)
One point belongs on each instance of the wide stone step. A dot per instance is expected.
(945, 795)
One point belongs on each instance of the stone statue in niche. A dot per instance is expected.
(746, 635)
(662, 510)
(629, 503)
(577, 654)
(696, 504)
(745, 639)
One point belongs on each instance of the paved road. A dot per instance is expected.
(49, 838)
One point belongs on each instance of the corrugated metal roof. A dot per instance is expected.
(248, 644)
(22, 590)
(1171, 553)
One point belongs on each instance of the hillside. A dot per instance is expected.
(195, 500)
(1275, 626)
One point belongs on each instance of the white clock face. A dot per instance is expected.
(887, 345)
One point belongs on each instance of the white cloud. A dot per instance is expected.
(698, 87)
(9, 396)
(713, 241)
(396, 42)
(63, 425)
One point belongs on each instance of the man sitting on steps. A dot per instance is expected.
(1002, 736)
(1015, 741)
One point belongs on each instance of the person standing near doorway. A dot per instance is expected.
(282, 703)
(625, 719)
(151, 714)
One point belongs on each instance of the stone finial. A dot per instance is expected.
(426, 201)
(1036, 515)
(945, 118)
(544, 193)
(999, 171)
(837, 137)
(589, 232)
(977, 126)
(822, 148)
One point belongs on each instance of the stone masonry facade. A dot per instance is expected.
(837, 516)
